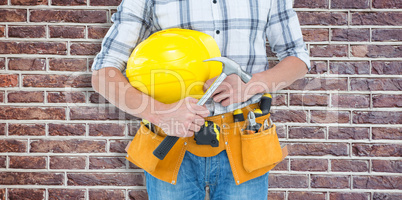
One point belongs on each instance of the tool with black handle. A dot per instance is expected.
(238, 115)
(229, 67)
(265, 103)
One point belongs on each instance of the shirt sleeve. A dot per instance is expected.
(131, 24)
(284, 33)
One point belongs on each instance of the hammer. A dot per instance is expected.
(229, 67)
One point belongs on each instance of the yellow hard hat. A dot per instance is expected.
(169, 65)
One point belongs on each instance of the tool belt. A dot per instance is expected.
(250, 155)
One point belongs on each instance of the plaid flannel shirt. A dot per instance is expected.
(240, 28)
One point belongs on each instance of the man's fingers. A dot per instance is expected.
(199, 120)
(221, 96)
(194, 127)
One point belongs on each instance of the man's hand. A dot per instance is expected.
(181, 119)
(234, 90)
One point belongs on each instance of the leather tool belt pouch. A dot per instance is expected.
(260, 149)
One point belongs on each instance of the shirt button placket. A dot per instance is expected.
(216, 17)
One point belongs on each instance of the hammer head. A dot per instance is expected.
(231, 67)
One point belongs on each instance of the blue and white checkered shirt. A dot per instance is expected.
(240, 28)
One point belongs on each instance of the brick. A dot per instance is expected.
(118, 146)
(386, 4)
(73, 16)
(67, 31)
(106, 129)
(280, 99)
(289, 116)
(386, 67)
(68, 64)
(2, 63)
(288, 181)
(281, 131)
(377, 117)
(3, 194)
(377, 18)
(106, 194)
(85, 48)
(57, 81)
(318, 67)
(307, 132)
(26, 129)
(66, 97)
(27, 31)
(386, 196)
(9, 47)
(98, 113)
(319, 84)
(2, 129)
(308, 165)
(31, 178)
(344, 195)
(137, 194)
(276, 195)
(308, 100)
(345, 4)
(315, 35)
(69, 2)
(306, 195)
(377, 150)
(68, 146)
(30, 113)
(64, 162)
(13, 146)
(133, 128)
(27, 64)
(8, 80)
(318, 149)
(323, 18)
(25, 97)
(381, 133)
(392, 166)
(354, 133)
(310, 4)
(387, 100)
(3, 160)
(104, 179)
(318, 116)
(331, 50)
(105, 2)
(377, 182)
(351, 35)
(13, 15)
(331, 181)
(107, 163)
(3, 2)
(349, 165)
(349, 67)
(350, 101)
(282, 166)
(95, 32)
(16, 194)
(67, 129)
(387, 35)
(377, 51)
(1, 98)
(97, 98)
(66, 194)
(29, 2)
(376, 84)
(27, 162)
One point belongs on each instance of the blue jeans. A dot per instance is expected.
(198, 172)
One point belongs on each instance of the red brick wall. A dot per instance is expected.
(342, 121)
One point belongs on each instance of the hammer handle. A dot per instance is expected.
(164, 147)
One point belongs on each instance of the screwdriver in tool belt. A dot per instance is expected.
(238, 115)
(265, 103)
(149, 125)
(252, 126)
